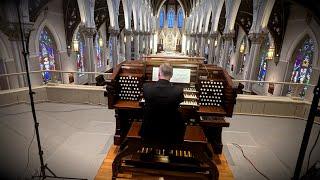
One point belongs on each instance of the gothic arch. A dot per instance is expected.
(4, 53)
(54, 34)
(297, 41)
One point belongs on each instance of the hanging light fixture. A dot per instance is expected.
(100, 42)
(215, 43)
(131, 38)
(242, 47)
(125, 39)
(75, 45)
(208, 41)
(270, 53)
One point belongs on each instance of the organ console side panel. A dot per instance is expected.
(209, 97)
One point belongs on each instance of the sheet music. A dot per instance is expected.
(179, 75)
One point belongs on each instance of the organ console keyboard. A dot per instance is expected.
(208, 96)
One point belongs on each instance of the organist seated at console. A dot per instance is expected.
(162, 121)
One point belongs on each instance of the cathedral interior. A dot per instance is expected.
(249, 71)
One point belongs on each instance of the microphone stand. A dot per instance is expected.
(304, 144)
(25, 53)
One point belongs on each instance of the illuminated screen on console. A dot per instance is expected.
(179, 75)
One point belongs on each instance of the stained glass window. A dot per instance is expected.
(47, 48)
(170, 18)
(110, 49)
(161, 18)
(263, 61)
(80, 54)
(98, 50)
(302, 68)
(180, 18)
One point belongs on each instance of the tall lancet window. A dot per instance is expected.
(180, 18)
(161, 18)
(80, 54)
(47, 58)
(263, 60)
(170, 18)
(99, 44)
(302, 67)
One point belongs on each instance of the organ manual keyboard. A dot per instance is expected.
(208, 95)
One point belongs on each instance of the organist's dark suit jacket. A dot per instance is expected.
(162, 121)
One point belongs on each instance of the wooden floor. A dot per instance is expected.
(105, 171)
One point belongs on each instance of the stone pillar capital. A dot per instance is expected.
(113, 31)
(135, 33)
(213, 35)
(127, 32)
(87, 31)
(257, 38)
(12, 30)
(204, 35)
(228, 36)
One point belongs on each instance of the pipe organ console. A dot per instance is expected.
(208, 96)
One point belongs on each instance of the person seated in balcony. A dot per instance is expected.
(162, 121)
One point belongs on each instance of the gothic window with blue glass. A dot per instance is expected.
(263, 61)
(302, 67)
(180, 18)
(161, 18)
(80, 54)
(170, 18)
(110, 50)
(47, 47)
(98, 44)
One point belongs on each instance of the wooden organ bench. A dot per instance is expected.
(166, 161)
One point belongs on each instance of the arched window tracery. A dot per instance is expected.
(170, 17)
(161, 18)
(80, 58)
(302, 67)
(98, 45)
(263, 60)
(48, 51)
(180, 18)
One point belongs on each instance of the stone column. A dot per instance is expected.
(141, 42)
(148, 42)
(203, 44)
(136, 44)
(212, 48)
(192, 45)
(227, 44)
(90, 58)
(251, 65)
(114, 39)
(127, 35)
(154, 43)
(198, 39)
(12, 30)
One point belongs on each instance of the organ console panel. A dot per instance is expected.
(208, 95)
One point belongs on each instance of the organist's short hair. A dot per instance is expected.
(166, 70)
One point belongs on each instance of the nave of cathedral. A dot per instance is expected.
(248, 70)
